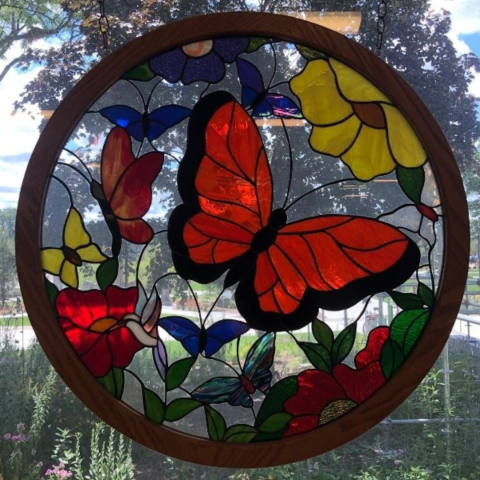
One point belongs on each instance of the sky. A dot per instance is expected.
(19, 131)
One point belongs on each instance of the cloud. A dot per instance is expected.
(12, 169)
(18, 134)
(465, 16)
(19, 131)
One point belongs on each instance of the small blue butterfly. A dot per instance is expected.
(147, 125)
(256, 375)
(257, 97)
(197, 339)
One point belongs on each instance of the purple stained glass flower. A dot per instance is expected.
(199, 61)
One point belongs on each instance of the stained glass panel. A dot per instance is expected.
(223, 224)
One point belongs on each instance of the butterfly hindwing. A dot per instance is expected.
(256, 375)
(217, 390)
(184, 330)
(260, 100)
(221, 333)
(164, 118)
(282, 106)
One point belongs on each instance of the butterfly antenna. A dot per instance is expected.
(319, 188)
(224, 363)
(214, 303)
(290, 163)
(81, 161)
(146, 104)
(204, 91)
(196, 302)
(66, 188)
(140, 94)
(150, 96)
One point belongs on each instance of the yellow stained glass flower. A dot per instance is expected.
(77, 248)
(355, 121)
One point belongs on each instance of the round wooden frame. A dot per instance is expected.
(132, 423)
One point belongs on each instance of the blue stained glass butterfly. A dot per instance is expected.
(256, 375)
(149, 125)
(197, 339)
(258, 98)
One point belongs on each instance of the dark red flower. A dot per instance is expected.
(94, 324)
(321, 397)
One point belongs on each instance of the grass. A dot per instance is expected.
(15, 322)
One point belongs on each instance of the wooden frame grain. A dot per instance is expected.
(132, 423)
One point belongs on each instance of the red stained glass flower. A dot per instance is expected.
(95, 325)
(321, 397)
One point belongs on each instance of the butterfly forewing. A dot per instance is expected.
(259, 362)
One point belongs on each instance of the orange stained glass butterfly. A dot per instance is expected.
(125, 194)
(286, 271)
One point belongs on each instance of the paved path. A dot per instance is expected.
(23, 337)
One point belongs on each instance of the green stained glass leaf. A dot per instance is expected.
(310, 53)
(274, 401)
(343, 344)
(276, 422)
(107, 273)
(411, 180)
(216, 425)
(52, 292)
(406, 301)
(318, 356)
(407, 326)
(323, 334)
(426, 294)
(114, 382)
(240, 434)
(178, 372)
(153, 406)
(391, 358)
(180, 407)
(257, 42)
(141, 72)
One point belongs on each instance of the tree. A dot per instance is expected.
(416, 44)
(8, 271)
(26, 21)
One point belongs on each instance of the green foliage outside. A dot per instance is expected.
(43, 427)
